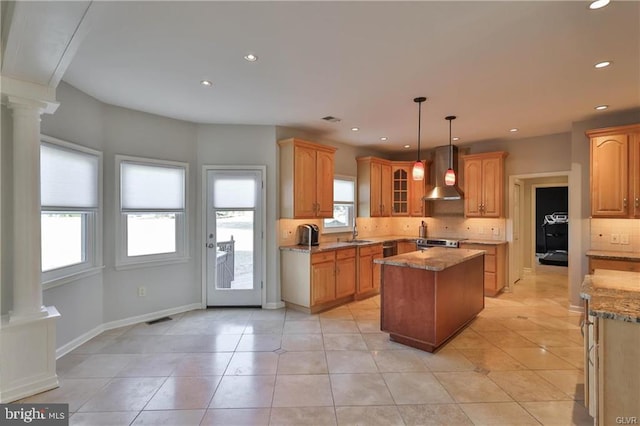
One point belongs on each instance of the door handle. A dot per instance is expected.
(210, 245)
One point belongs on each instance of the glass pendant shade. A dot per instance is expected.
(418, 170)
(418, 166)
(450, 177)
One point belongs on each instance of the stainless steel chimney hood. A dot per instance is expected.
(441, 164)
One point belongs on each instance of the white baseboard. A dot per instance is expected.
(30, 387)
(273, 305)
(68, 347)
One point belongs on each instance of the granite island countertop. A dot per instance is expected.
(434, 259)
(336, 245)
(613, 294)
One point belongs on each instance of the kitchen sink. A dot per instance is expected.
(359, 241)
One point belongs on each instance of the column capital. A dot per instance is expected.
(17, 103)
(22, 94)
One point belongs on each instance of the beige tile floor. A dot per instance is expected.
(518, 363)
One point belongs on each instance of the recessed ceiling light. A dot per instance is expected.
(598, 4)
(383, 139)
(603, 64)
(601, 107)
(407, 146)
(513, 130)
(456, 138)
(206, 83)
(355, 129)
(250, 57)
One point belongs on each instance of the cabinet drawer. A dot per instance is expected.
(489, 280)
(489, 263)
(374, 249)
(325, 256)
(615, 264)
(345, 253)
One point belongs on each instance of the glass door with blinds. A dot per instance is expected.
(234, 237)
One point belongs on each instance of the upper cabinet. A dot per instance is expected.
(484, 184)
(306, 179)
(386, 188)
(374, 187)
(615, 171)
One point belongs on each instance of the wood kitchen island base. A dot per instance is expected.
(424, 308)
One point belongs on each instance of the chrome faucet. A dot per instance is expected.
(355, 231)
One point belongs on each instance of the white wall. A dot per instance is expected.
(220, 144)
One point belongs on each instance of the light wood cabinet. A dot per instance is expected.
(345, 272)
(495, 261)
(615, 171)
(374, 187)
(401, 190)
(306, 179)
(484, 184)
(318, 281)
(614, 264)
(368, 272)
(406, 246)
(323, 277)
(407, 193)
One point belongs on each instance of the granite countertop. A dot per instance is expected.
(617, 255)
(485, 242)
(434, 259)
(365, 241)
(613, 294)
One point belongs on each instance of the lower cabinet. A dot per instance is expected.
(615, 264)
(319, 281)
(368, 272)
(494, 265)
(406, 246)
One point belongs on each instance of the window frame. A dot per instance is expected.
(342, 229)
(92, 225)
(123, 260)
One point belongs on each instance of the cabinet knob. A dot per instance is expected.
(624, 202)
(637, 202)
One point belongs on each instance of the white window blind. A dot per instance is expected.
(234, 193)
(343, 191)
(150, 187)
(68, 178)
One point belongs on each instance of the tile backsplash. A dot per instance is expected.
(453, 226)
(615, 234)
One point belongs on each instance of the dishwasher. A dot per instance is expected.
(389, 248)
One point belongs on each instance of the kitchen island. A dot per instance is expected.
(430, 295)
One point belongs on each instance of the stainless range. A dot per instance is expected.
(449, 242)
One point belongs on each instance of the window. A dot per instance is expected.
(152, 214)
(70, 193)
(344, 190)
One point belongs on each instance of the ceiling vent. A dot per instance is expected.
(331, 119)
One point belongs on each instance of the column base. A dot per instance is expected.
(28, 355)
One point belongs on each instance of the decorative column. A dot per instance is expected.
(27, 286)
(28, 335)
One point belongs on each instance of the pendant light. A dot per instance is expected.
(418, 166)
(450, 175)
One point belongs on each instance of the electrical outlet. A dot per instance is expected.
(496, 231)
(615, 239)
(142, 291)
(482, 230)
(624, 238)
(285, 234)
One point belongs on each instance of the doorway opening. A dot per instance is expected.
(552, 225)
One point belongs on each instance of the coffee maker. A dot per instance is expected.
(307, 234)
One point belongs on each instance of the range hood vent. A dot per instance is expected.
(441, 164)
